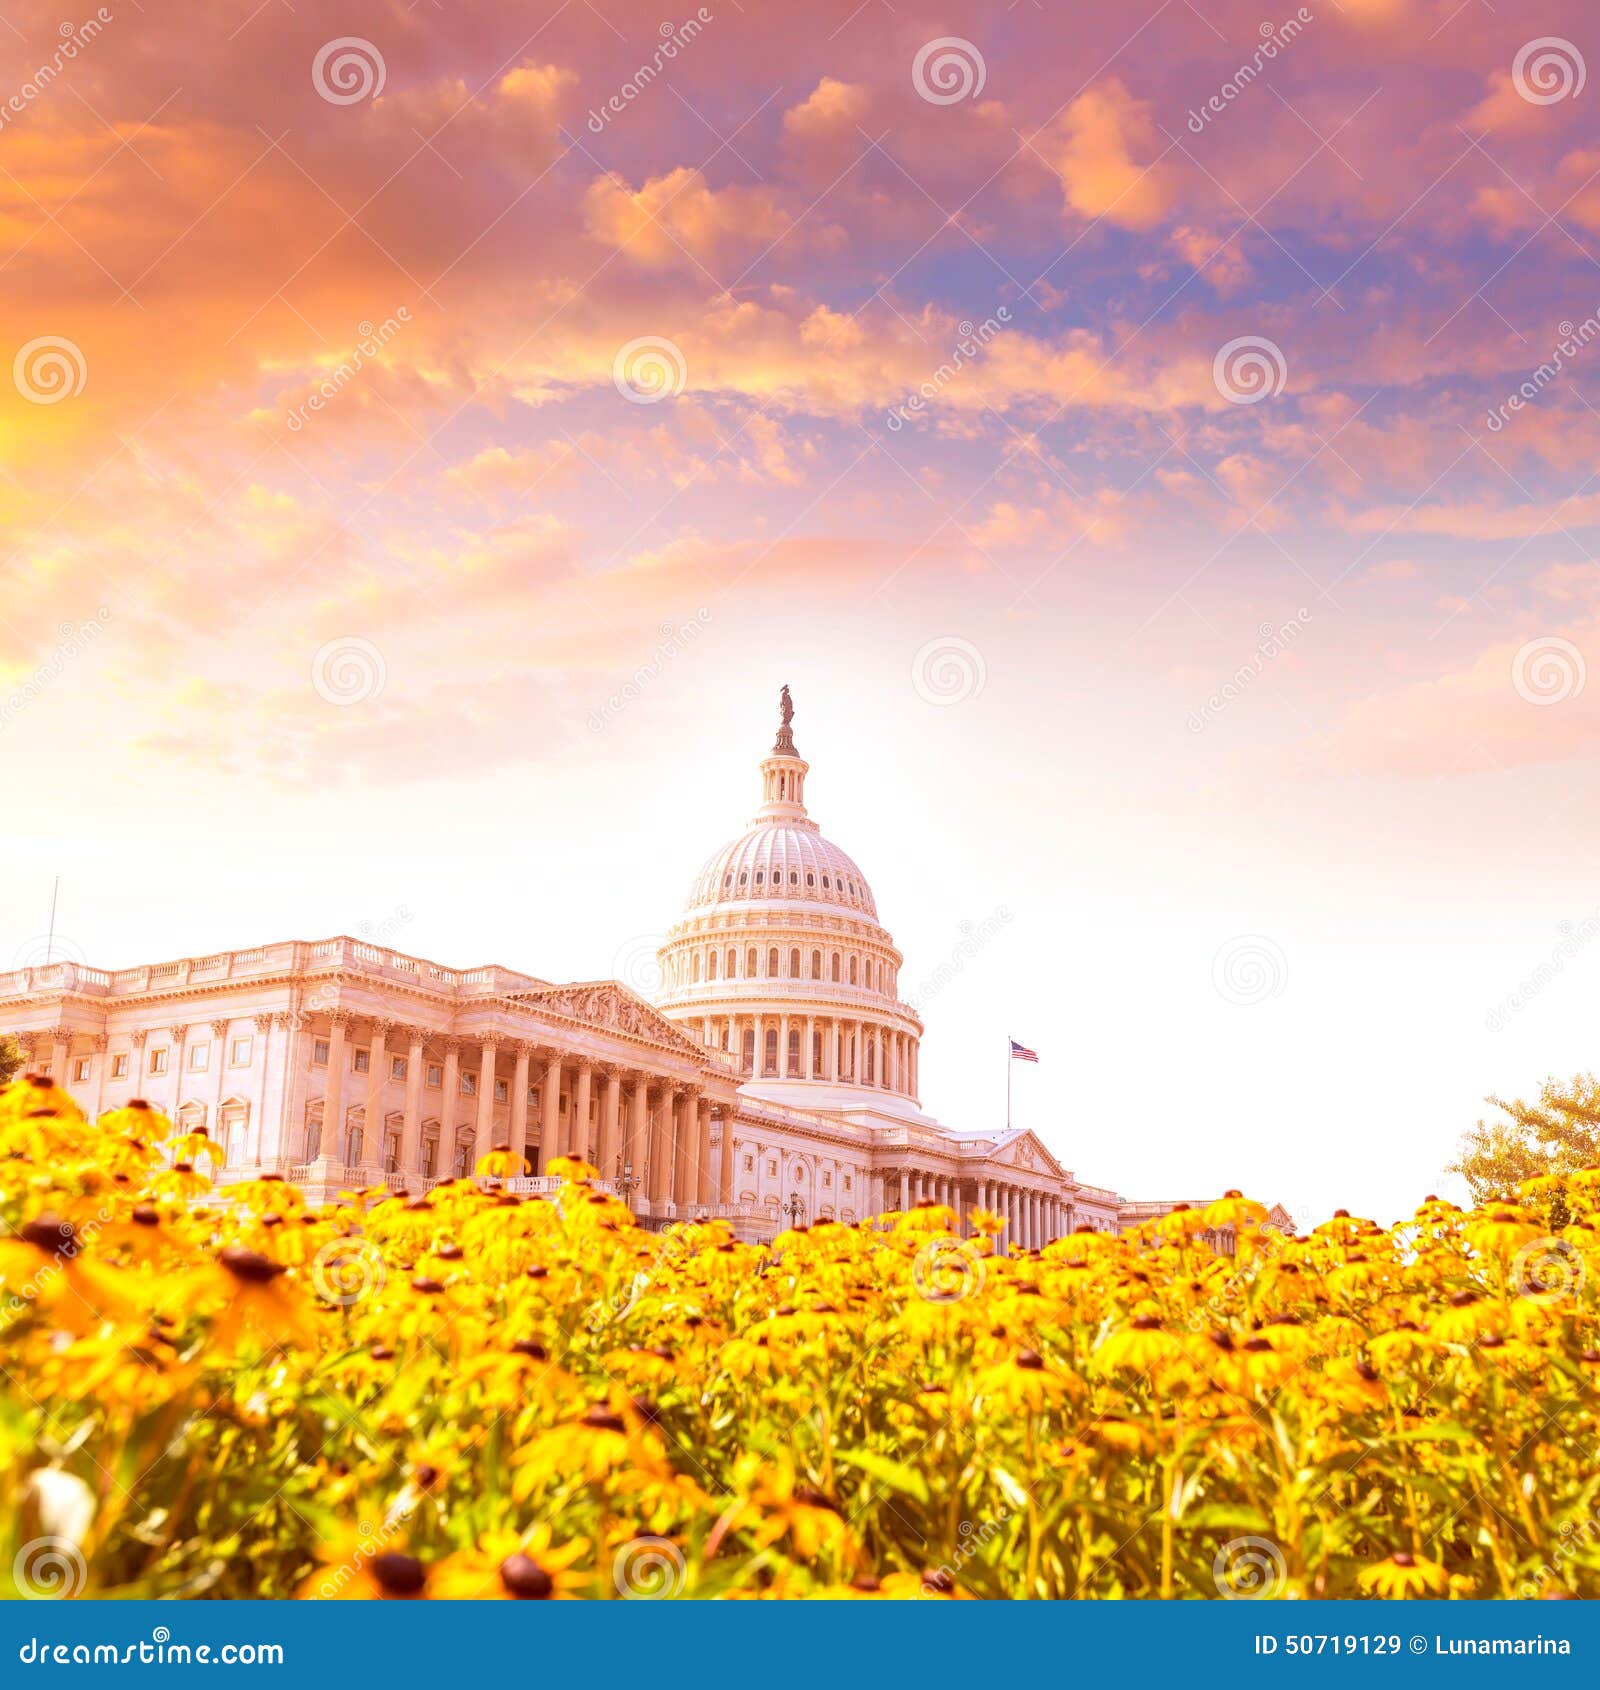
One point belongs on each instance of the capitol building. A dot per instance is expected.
(774, 1080)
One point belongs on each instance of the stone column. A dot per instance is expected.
(517, 1140)
(483, 1129)
(807, 1059)
(332, 1145)
(783, 1047)
(582, 1098)
(830, 1049)
(411, 1129)
(702, 1172)
(660, 1171)
(610, 1124)
(180, 1037)
(726, 1168)
(219, 1038)
(550, 1145)
(449, 1103)
(638, 1128)
(685, 1143)
(372, 1104)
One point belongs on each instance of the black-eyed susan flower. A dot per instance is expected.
(1404, 1575)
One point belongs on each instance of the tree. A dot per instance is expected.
(1558, 1134)
(10, 1057)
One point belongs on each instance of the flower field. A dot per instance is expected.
(478, 1395)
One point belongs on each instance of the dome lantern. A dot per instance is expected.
(783, 772)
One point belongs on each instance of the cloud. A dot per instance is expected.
(1106, 150)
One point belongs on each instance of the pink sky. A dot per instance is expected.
(1116, 454)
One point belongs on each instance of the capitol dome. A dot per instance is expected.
(780, 960)
(786, 860)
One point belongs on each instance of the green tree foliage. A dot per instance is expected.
(1558, 1133)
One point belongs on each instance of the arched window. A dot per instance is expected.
(794, 877)
(733, 964)
(772, 963)
(836, 967)
(811, 878)
(870, 1059)
(711, 965)
(750, 963)
(760, 876)
(816, 965)
(794, 964)
(769, 1055)
(696, 967)
(793, 1055)
(747, 1054)
(852, 971)
(825, 882)
(744, 875)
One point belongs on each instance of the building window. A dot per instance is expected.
(199, 1058)
(80, 1068)
(158, 1061)
(119, 1066)
(794, 964)
(239, 1053)
(469, 1084)
(772, 963)
(362, 1061)
(319, 1054)
(792, 1055)
(816, 1053)
(816, 965)
(430, 1156)
(749, 1164)
(502, 1091)
(827, 1179)
(847, 1182)
(772, 1167)
(397, 1067)
(852, 971)
(750, 963)
(711, 966)
(769, 1053)
(435, 1075)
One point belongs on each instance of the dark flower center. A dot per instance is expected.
(50, 1233)
(398, 1575)
(525, 1579)
(249, 1265)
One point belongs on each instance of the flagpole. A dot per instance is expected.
(1008, 1082)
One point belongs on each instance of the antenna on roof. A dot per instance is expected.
(50, 941)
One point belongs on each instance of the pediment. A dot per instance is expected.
(611, 1007)
(1025, 1151)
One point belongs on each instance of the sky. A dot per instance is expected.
(1156, 443)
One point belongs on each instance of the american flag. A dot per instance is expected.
(1021, 1053)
